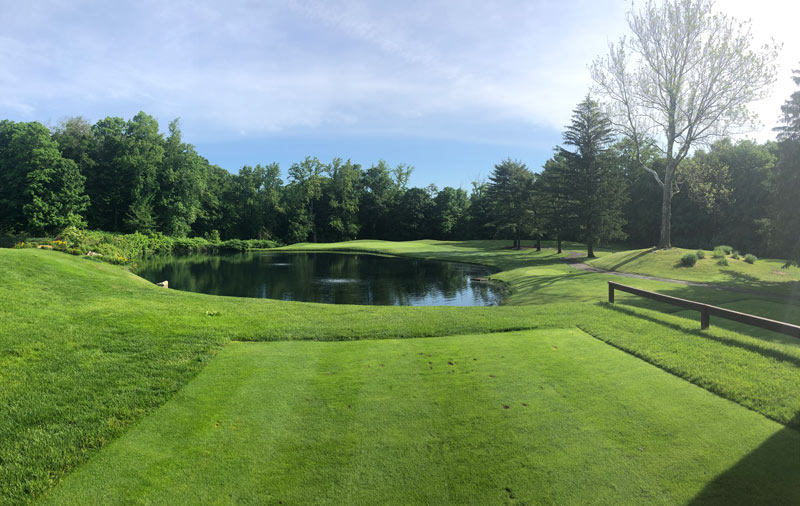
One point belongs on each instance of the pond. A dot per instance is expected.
(333, 278)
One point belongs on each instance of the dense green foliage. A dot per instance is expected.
(40, 190)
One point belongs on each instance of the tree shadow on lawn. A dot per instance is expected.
(703, 334)
(770, 474)
(708, 295)
(528, 289)
(630, 259)
(789, 289)
(766, 307)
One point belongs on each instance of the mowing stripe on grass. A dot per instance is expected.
(548, 416)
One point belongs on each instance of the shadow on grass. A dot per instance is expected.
(630, 259)
(770, 474)
(741, 279)
(765, 352)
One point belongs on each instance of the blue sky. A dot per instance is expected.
(450, 87)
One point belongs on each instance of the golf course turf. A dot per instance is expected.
(88, 349)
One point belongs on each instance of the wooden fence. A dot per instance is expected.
(707, 310)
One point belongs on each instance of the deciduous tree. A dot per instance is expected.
(683, 78)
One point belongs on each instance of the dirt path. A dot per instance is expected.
(572, 262)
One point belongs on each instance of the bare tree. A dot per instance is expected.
(684, 78)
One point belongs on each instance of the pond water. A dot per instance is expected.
(333, 278)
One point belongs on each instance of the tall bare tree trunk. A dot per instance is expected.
(666, 218)
(665, 241)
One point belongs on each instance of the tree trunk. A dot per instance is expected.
(538, 242)
(558, 241)
(666, 212)
(590, 249)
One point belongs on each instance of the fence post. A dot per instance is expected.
(610, 292)
(705, 318)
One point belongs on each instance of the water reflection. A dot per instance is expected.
(332, 278)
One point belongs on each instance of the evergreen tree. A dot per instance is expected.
(551, 191)
(510, 193)
(786, 218)
(595, 179)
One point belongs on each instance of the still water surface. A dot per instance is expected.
(332, 278)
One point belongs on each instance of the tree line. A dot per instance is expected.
(126, 176)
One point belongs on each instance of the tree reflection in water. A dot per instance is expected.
(333, 278)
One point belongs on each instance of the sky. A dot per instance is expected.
(449, 87)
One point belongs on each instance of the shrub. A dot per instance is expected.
(722, 261)
(10, 241)
(718, 253)
(213, 236)
(735, 255)
(192, 244)
(700, 254)
(727, 249)
(233, 245)
(750, 258)
(74, 236)
(688, 260)
(261, 243)
(160, 243)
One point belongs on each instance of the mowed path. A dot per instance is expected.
(546, 416)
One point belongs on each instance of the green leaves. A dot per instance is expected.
(40, 192)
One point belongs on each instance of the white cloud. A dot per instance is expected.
(420, 68)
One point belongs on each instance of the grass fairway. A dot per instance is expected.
(528, 417)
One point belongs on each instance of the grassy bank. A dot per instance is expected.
(764, 274)
(87, 348)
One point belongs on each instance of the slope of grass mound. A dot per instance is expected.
(767, 274)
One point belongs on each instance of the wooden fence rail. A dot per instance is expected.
(707, 310)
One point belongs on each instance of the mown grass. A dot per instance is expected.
(87, 349)
(764, 274)
(549, 416)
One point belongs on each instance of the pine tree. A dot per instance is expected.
(510, 193)
(595, 183)
(786, 223)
